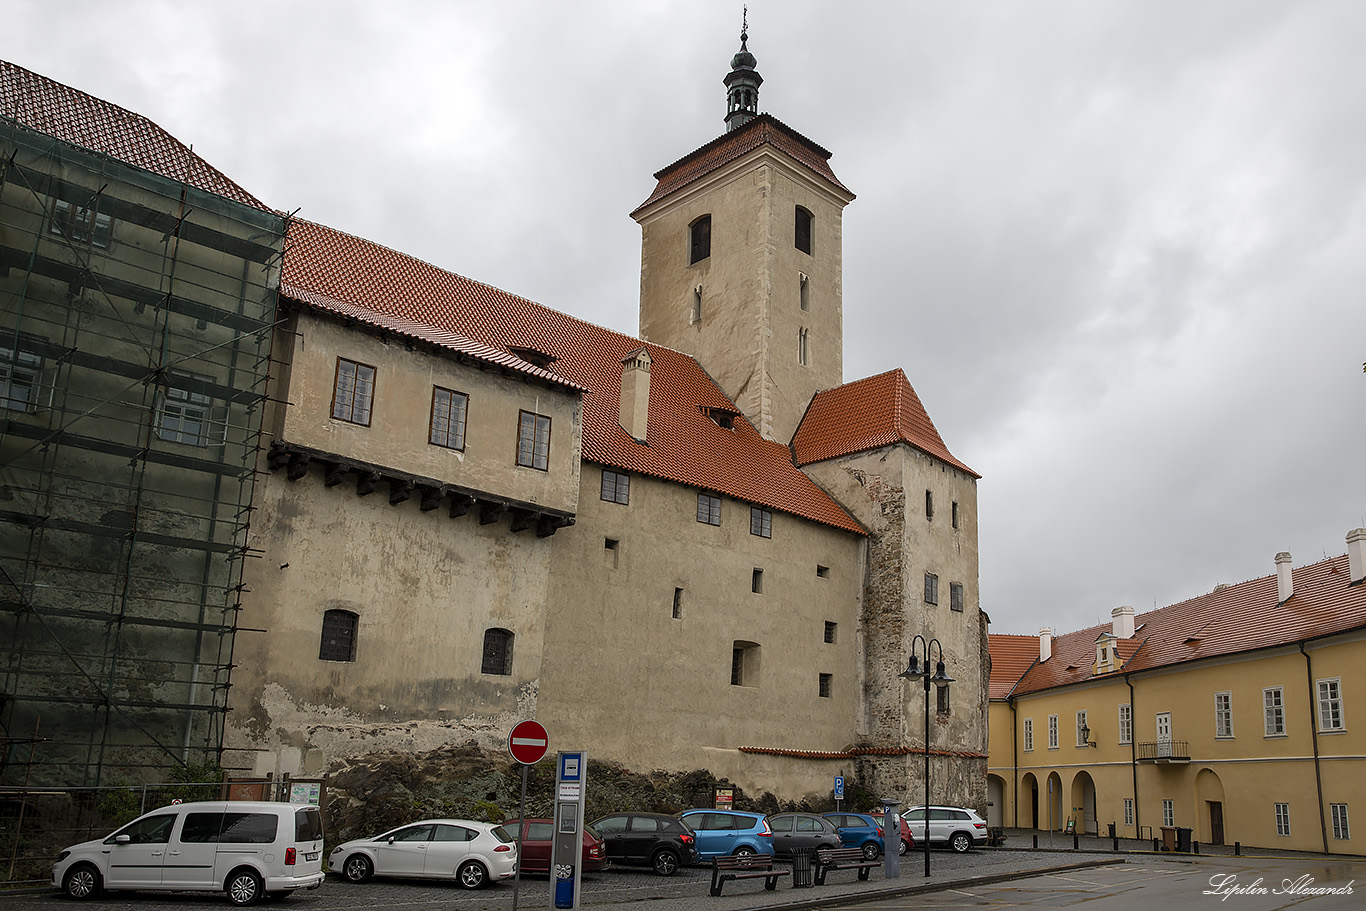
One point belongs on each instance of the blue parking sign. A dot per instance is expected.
(839, 787)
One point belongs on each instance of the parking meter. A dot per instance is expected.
(566, 845)
(891, 840)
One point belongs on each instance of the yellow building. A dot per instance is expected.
(1229, 714)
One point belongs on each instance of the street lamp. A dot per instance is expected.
(939, 678)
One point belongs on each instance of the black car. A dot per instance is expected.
(802, 830)
(662, 841)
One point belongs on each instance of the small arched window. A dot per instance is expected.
(802, 352)
(497, 652)
(699, 240)
(803, 230)
(339, 636)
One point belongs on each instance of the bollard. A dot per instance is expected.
(1076, 841)
(1036, 841)
(1195, 847)
(1237, 849)
(1116, 843)
(1154, 844)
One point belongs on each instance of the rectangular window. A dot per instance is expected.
(737, 667)
(824, 691)
(20, 373)
(955, 513)
(929, 505)
(353, 392)
(448, 418)
(744, 663)
(802, 233)
(81, 224)
(1126, 724)
(616, 487)
(1128, 811)
(956, 596)
(830, 632)
(1083, 732)
(941, 700)
(184, 416)
(804, 291)
(678, 604)
(1283, 819)
(708, 509)
(760, 522)
(822, 572)
(756, 584)
(931, 588)
(1274, 710)
(497, 657)
(1029, 735)
(699, 240)
(1340, 828)
(339, 636)
(1330, 704)
(533, 441)
(1168, 813)
(802, 342)
(1223, 715)
(1052, 732)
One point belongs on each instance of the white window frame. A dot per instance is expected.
(1273, 711)
(1126, 723)
(189, 418)
(1283, 820)
(1128, 811)
(1341, 830)
(1223, 715)
(1329, 692)
(1052, 732)
(1081, 723)
(1168, 812)
(1029, 735)
(20, 371)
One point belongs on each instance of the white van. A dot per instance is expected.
(248, 849)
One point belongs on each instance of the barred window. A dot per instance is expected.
(448, 418)
(616, 487)
(497, 652)
(533, 441)
(339, 636)
(824, 688)
(353, 392)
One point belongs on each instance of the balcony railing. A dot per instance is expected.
(1164, 751)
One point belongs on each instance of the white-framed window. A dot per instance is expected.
(1223, 715)
(20, 379)
(1283, 819)
(1128, 811)
(1168, 813)
(1029, 735)
(1273, 705)
(533, 441)
(1083, 734)
(1126, 724)
(616, 486)
(1052, 732)
(1330, 704)
(448, 418)
(188, 417)
(1341, 830)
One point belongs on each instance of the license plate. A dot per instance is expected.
(312, 855)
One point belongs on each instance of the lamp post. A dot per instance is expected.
(939, 678)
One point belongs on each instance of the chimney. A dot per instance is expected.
(1122, 622)
(1356, 554)
(1045, 644)
(1285, 586)
(635, 394)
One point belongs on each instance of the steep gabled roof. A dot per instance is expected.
(347, 275)
(1233, 619)
(762, 130)
(868, 414)
(57, 110)
(1011, 656)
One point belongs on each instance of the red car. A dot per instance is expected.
(535, 846)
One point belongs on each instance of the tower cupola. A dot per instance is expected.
(742, 86)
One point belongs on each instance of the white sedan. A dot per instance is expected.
(472, 853)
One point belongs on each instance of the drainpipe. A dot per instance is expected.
(1314, 734)
(1014, 767)
(1133, 751)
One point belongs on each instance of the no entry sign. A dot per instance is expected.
(528, 742)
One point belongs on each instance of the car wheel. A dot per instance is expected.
(744, 851)
(471, 875)
(358, 868)
(871, 851)
(960, 842)
(81, 882)
(665, 863)
(902, 849)
(243, 887)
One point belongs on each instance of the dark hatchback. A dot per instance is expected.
(663, 842)
(802, 831)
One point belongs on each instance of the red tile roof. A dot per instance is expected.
(762, 130)
(1011, 656)
(1236, 618)
(868, 414)
(57, 110)
(349, 276)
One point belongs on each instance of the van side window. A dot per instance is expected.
(201, 828)
(249, 828)
(308, 824)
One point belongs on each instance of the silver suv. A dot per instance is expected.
(956, 827)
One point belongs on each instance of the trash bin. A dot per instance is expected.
(803, 875)
(1183, 839)
(1169, 838)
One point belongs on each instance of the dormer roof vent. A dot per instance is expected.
(532, 356)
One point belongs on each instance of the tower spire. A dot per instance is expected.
(742, 83)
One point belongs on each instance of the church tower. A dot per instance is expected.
(741, 260)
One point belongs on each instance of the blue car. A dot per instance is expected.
(724, 833)
(859, 830)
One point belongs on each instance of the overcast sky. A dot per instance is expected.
(1119, 248)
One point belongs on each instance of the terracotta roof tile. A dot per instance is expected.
(868, 414)
(347, 275)
(57, 110)
(1011, 656)
(1235, 618)
(762, 130)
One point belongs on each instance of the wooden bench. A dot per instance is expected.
(745, 866)
(843, 859)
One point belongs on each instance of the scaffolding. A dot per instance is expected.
(136, 316)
